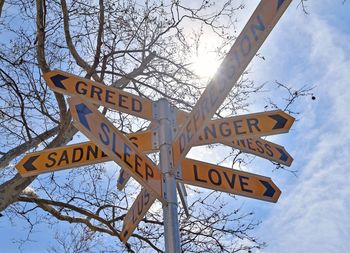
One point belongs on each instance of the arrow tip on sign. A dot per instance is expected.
(28, 165)
(57, 81)
(280, 121)
(284, 156)
(82, 111)
(270, 191)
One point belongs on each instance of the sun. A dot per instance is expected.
(205, 64)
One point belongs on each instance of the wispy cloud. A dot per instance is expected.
(313, 214)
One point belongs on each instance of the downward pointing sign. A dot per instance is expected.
(136, 213)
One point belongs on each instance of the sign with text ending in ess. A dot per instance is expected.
(243, 50)
(118, 147)
(242, 132)
(261, 148)
(228, 180)
(75, 155)
(99, 94)
(136, 213)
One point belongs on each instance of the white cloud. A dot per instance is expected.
(313, 214)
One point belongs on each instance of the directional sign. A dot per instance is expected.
(99, 94)
(250, 125)
(228, 180)
(243, 50)
(76, 155)
(136, 213)
(98, 129)
(228, 131)
(262, 148)
(54, 159)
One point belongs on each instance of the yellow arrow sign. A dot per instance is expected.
(100, 94)
(262, 148)
(86, 153)
(250, 125)
(243, 50)
(228, 180)
(98, 129)
(136, 213)
(76, 155)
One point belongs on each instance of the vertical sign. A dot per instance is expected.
(243, 50)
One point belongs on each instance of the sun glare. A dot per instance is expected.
(205, 65)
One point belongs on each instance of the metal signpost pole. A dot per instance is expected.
(171, 221)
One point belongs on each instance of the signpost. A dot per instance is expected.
(242, 52)
(228, 180)
(118, 147)
(100, 94)
(108, 143)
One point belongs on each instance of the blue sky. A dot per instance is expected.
(312, 213)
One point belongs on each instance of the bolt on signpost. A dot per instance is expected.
(196, 128)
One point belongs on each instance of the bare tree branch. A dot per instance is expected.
(1, 6)
(34, 142)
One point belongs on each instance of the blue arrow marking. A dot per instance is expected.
(281, 121)
(279, 3)
(57, 81)
(284, 156)
(82, 111)
(121, 179)
(269, 189)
